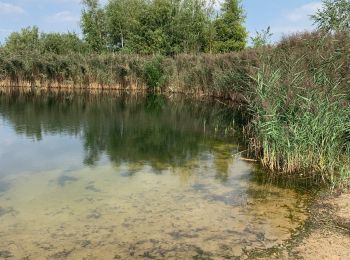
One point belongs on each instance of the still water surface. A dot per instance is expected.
(119, 176)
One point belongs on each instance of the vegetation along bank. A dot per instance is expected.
(295, 92)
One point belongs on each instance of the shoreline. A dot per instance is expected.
(324, 235)
(234, 98)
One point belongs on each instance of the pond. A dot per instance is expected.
(120, 176)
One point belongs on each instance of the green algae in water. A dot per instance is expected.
(132, 177)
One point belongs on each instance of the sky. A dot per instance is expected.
(283, 16)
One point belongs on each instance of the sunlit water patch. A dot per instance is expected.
(120, 177)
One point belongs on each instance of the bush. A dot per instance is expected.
(154, 75)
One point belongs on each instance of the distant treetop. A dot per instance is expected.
(30, 39)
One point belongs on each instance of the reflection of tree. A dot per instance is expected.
(151, 129)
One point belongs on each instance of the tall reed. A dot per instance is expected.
(300, 113)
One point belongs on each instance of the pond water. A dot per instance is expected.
(118, 176)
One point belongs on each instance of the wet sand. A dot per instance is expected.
(326, 234)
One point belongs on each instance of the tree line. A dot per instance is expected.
(31, 40)
(165, 27)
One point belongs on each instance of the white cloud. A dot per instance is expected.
(303, 12)
(6, 8)
(295, 20)
(65, 16)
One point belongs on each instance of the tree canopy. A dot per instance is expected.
(30, 39)
(163, 26)
(230, 35)
(93, 24)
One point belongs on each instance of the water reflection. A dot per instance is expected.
(120, 176)
(152, 129)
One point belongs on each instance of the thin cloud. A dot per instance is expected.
(303, 12)
(6, 8)
(65, 16)
(296, 20)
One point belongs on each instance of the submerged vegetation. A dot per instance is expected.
(295, 93)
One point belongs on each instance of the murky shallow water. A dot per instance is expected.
(85, 176)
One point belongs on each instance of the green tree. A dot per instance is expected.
(195, 24)
(164, 27)
(31, 40)
(123, 21)
(28, 39)
(94, 26)
(334, 16)
(158, 26)
(231, 34)
(154, 33)
(64, 43)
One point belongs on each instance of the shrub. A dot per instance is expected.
(154, 75)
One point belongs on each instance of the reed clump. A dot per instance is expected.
(299, 107)
(71, 70)
(221, 75)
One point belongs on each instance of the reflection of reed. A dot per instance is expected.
(69, 86)
(64, 91)
(303, 184)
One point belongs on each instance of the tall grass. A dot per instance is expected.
(300, 112)
(75, 70)
(215, 75)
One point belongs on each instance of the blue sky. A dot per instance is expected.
(284, 16)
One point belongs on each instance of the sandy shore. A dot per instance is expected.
(329, 234)
(326, 235)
